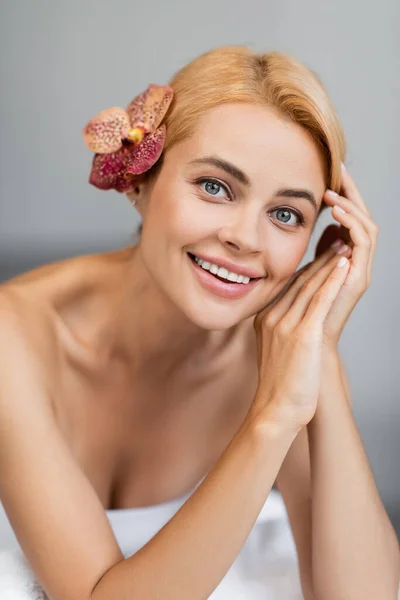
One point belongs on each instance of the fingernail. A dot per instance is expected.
(342, 250)
(332, 193)
(336, 243)
(342, 261)
(339, 209)
(343, 167)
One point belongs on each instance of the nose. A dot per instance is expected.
(243, 231)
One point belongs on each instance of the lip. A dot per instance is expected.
(222, 262)
(220, 288)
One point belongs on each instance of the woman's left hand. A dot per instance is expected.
(359, 232)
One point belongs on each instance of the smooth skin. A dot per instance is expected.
(118, 365)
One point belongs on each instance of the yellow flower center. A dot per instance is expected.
(136, 135)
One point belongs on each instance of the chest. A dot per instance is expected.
(143, 442)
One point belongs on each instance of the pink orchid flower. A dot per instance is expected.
(127, 142)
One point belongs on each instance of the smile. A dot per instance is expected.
(221, 282)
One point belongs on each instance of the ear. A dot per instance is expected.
(137, 195)
(134, 195)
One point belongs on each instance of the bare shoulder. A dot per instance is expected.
(49, 282)
(23, 326)
(29, 313)
(27, 304)
(31, 302)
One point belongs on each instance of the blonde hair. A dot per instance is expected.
(277, 81)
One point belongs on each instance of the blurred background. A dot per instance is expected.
(63, 62)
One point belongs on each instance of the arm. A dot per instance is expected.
(55, 513)
(58, 518)
(294, 484)
(344, 378)
(355, 553)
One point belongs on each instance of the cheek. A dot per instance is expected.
(161, 212)
(283, 261)
(177, 213)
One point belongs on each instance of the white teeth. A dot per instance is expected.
(221, 271)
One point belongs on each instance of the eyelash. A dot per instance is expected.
(211, 180)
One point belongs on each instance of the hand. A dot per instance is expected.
(360, 232)
(289, 335)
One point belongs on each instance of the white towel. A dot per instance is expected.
(17, 580)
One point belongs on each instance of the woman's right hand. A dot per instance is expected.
(289, 333)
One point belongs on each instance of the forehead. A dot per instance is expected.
(260, 143)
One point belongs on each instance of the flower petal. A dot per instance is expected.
(149, 108)
(109, 170)
(104, 133)
(148, 152)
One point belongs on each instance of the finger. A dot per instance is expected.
(362, 252)
(351, 191)
(323, 299)
(350, 207)
(318, 271)
(368, 224)
(370, 227)
(310, 294)
(297, 280)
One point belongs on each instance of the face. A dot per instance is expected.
(221, 194)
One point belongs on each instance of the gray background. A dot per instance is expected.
(62, 62)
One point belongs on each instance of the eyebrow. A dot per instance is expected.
(242, 178)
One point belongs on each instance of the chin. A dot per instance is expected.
(211, 313)
(210, 320)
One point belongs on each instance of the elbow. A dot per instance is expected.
(94, 593)
(109, 585)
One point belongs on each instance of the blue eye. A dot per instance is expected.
(300, 219)
(212, 187)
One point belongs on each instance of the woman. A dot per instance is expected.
(131, 376)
